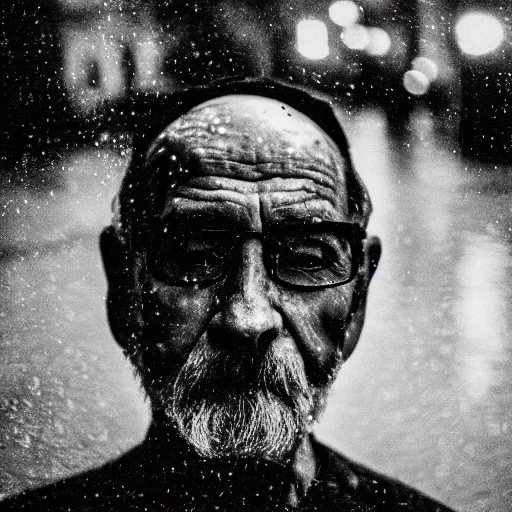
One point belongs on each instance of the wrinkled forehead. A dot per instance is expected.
(253, 138)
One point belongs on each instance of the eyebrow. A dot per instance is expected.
(288, 214)
(210, 219)
(229, 226)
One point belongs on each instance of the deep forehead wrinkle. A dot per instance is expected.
(281, 166)
(255, 139)
(199, 187)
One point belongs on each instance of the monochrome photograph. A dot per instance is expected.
(256, 256)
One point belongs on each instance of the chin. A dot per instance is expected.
(246, 425)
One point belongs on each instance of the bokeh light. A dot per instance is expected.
(313, 39)
(478, 33)
(379, 43)
(415, 82)
(344, 13)
(426, 66)
(356, 37)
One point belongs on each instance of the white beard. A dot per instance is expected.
(222, 413)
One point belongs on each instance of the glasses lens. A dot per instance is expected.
(313, 259)
(191, 258)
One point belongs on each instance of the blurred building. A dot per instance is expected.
(65, 58)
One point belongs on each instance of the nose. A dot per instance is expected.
(248, 320)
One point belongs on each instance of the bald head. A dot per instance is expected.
(237, 118)
(233, 146)
(247, 127)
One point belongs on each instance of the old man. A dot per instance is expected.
(238, 266)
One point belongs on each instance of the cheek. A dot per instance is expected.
(317, 322)
(177, 317)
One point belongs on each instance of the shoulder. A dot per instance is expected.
(349, 484)
(101, 489)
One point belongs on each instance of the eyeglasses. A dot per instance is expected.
(318, 255)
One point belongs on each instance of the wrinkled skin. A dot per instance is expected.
(256, 162)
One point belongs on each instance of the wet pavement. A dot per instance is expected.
(427, 395)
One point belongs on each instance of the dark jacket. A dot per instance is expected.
(134, 483)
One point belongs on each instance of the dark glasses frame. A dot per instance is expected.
(354, 233)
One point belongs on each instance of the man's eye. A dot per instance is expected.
(187, 260)
(194, 257)
(307, 258)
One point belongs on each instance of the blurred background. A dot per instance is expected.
(423, 89)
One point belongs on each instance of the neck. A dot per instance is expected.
(285, 482)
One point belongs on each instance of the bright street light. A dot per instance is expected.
(479, 33)
(313, 39)
(344, 13)
(426, 66)
(379, 43)
(356, 37)
(415, 82)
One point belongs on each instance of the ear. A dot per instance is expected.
(372, 252)
(124, 306)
